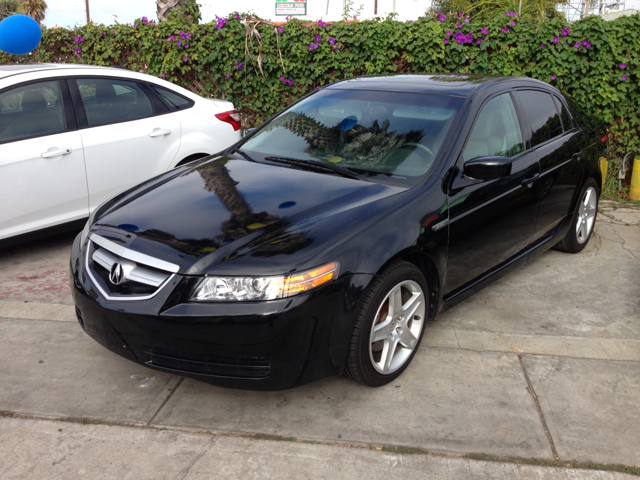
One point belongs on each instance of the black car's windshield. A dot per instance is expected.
(391, 133)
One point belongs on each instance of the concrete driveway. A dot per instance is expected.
(540, 371)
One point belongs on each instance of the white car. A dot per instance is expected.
(72, 136)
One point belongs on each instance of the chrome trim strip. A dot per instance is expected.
(120, 298)
(132, 271)
(133, 255)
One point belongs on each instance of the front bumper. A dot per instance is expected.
(270, 345)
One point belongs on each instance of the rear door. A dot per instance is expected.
(128, 135)
(491, 221)
(557, 141)
(42, 174)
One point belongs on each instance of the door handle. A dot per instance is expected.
(528, 182)
(56, 153)
(576, 156)
(160, 133)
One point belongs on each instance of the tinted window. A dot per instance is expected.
(31, 110)
(567, 124)
(542, 114)
(173, 99)
(496, 131)
(113, 100)
(384, 132)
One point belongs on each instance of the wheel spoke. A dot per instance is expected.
(388, 353)
(407, 339)
(587, 197)
(412, 305)
(395, 301)
(380, 331)
(580, 226)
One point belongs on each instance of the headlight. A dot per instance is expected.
(223, 289)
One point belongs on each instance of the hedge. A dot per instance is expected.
(261, 66)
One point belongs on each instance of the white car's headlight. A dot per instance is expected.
(224, 289)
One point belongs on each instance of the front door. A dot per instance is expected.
(491, 221)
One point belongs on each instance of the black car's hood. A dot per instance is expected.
(205, 215)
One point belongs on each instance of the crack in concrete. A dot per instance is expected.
(622, 243)
(455, 332)
(535, 399)
(174, 390)
(214, 440)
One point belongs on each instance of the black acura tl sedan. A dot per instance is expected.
(325, 239)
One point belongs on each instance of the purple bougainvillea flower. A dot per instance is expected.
(484, 31)
(290, 82)
(184, 59)
(228, 75)
(135, 24)
(586, 43)
(504, 29)
(280, 29)
(446, 40)
(332, 41)
(178, 42)
(164, 75)
(171, 38)
(622, 66)
(577, 44)
(311, 46)
(458, 25)
(513, 24)
(410, 21)
(543, 46)
(79, 50)
(553, 77)
(186, 45)
(442, 17)
(566, 31)
(239, 64)
(555, 40)
(461, 14)
(466, 20)
(479, 41)
(239, 19)
(623, 78)
(318, 38)
(104, 32)
(448, 34)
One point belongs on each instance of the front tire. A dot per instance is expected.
(584, 219)
(389, 327)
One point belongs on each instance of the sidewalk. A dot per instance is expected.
(543, 365)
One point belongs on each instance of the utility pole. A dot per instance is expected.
(87, 8)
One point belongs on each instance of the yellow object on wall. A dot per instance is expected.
(604, 166)
(634, 191)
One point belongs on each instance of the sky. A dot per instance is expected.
(66, 13)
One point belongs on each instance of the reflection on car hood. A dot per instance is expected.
(205, 215)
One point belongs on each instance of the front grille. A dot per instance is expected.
(123, 274)
(212, 365)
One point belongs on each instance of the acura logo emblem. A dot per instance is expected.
(116, 275)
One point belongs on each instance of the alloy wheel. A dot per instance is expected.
(586, 215)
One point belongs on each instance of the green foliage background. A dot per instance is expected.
(209, 66)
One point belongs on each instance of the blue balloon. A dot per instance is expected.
(19, 34)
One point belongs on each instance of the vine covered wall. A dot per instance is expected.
(262, 66)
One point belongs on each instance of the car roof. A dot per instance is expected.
(20, 68)
(462, 85)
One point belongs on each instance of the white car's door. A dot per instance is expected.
(128, 138)
(42, 174)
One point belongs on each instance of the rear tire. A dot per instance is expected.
(389, 326)
(584, 219)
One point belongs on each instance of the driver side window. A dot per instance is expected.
(496, 131)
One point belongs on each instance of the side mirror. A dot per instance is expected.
(248, 131)
(487, 168)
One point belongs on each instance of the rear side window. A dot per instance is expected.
(173, 100)
(496, 131)
(542, 114)
(567, 123)
(30, 111)
(111, 100)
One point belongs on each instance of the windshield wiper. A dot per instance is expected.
(241, 152)
(315, 165)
